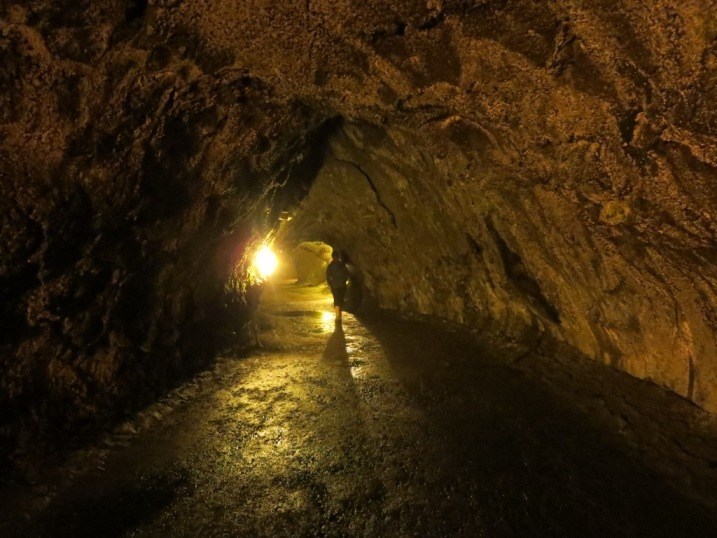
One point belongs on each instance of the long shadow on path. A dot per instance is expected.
(528, 464)
(335, 350)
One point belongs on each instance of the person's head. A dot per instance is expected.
(335, 255)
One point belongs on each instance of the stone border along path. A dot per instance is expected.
(386, 428)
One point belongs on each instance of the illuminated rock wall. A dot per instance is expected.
(508, 255)
(528, 167)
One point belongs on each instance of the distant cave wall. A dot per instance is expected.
(310, 259)
(131, 182)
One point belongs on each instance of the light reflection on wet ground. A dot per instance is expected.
(374, 428)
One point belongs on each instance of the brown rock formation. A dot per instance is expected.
(131, 182)
(534, 168)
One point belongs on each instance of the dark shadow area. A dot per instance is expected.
(109, 509)
(511, 451)
(296, 170)
(299, 314)
(518, 274)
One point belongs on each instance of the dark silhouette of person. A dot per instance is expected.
(355, 287)
(337, 276)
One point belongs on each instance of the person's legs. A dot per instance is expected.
(339, 294)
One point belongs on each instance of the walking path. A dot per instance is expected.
(376, 428)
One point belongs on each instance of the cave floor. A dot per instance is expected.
(379, 428)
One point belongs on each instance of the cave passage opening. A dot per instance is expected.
(304, 264)
(310, 259)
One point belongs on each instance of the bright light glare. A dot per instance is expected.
(265, 262)
(327, 321)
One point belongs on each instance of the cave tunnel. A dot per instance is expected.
(524, 196)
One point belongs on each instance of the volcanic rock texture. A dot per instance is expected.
(131, 182)
(544, 170)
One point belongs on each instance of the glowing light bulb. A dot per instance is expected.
(265, 262)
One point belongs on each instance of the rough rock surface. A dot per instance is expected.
(542, 171)
(131, 183)
(536, 168)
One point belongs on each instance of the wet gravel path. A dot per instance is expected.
(376, 428)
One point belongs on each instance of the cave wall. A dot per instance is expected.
(131, 182)
(559, 155)
(518, 258)
(546, 168)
